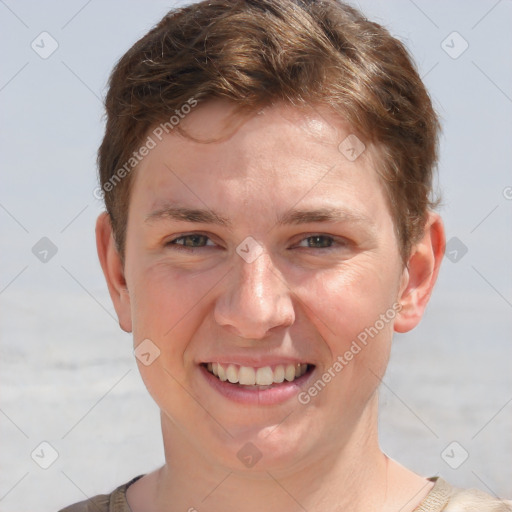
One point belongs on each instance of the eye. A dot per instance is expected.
(318, 242)
(191, 241)
(199, 240)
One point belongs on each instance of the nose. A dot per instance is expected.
(256, 299)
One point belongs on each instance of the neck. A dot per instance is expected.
(353, 477)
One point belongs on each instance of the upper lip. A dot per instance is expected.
(256, 362)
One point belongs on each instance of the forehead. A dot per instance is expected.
(281, 154)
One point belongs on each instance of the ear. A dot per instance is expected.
(421, 274)
(113, 270)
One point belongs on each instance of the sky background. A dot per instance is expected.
(68, 375)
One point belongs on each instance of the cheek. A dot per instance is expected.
(349, 312)
(346, 301)
(165, 301)
(165, 305)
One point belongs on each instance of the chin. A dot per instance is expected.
(271, 448)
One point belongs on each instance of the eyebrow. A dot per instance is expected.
(290, 217)
(327, 215)
(181, 213)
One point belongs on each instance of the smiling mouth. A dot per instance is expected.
(261, 378)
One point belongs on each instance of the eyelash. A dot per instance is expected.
(182, 247)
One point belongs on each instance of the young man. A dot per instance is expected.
(267, 170)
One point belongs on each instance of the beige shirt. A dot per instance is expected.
(442, 497)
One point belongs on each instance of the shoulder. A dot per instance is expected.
(474, 500)
(100, 503)
(113, 502)
(445, 498)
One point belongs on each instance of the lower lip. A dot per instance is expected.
(276, 394)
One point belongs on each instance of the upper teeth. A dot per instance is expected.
(248, 376)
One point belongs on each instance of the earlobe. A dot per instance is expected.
(113, 271)
(421, 274)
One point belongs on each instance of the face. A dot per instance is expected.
(269, 259)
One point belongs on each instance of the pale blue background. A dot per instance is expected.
(67, 373)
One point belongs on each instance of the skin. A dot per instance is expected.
(302, 298)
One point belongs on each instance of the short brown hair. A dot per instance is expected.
(257, 52)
